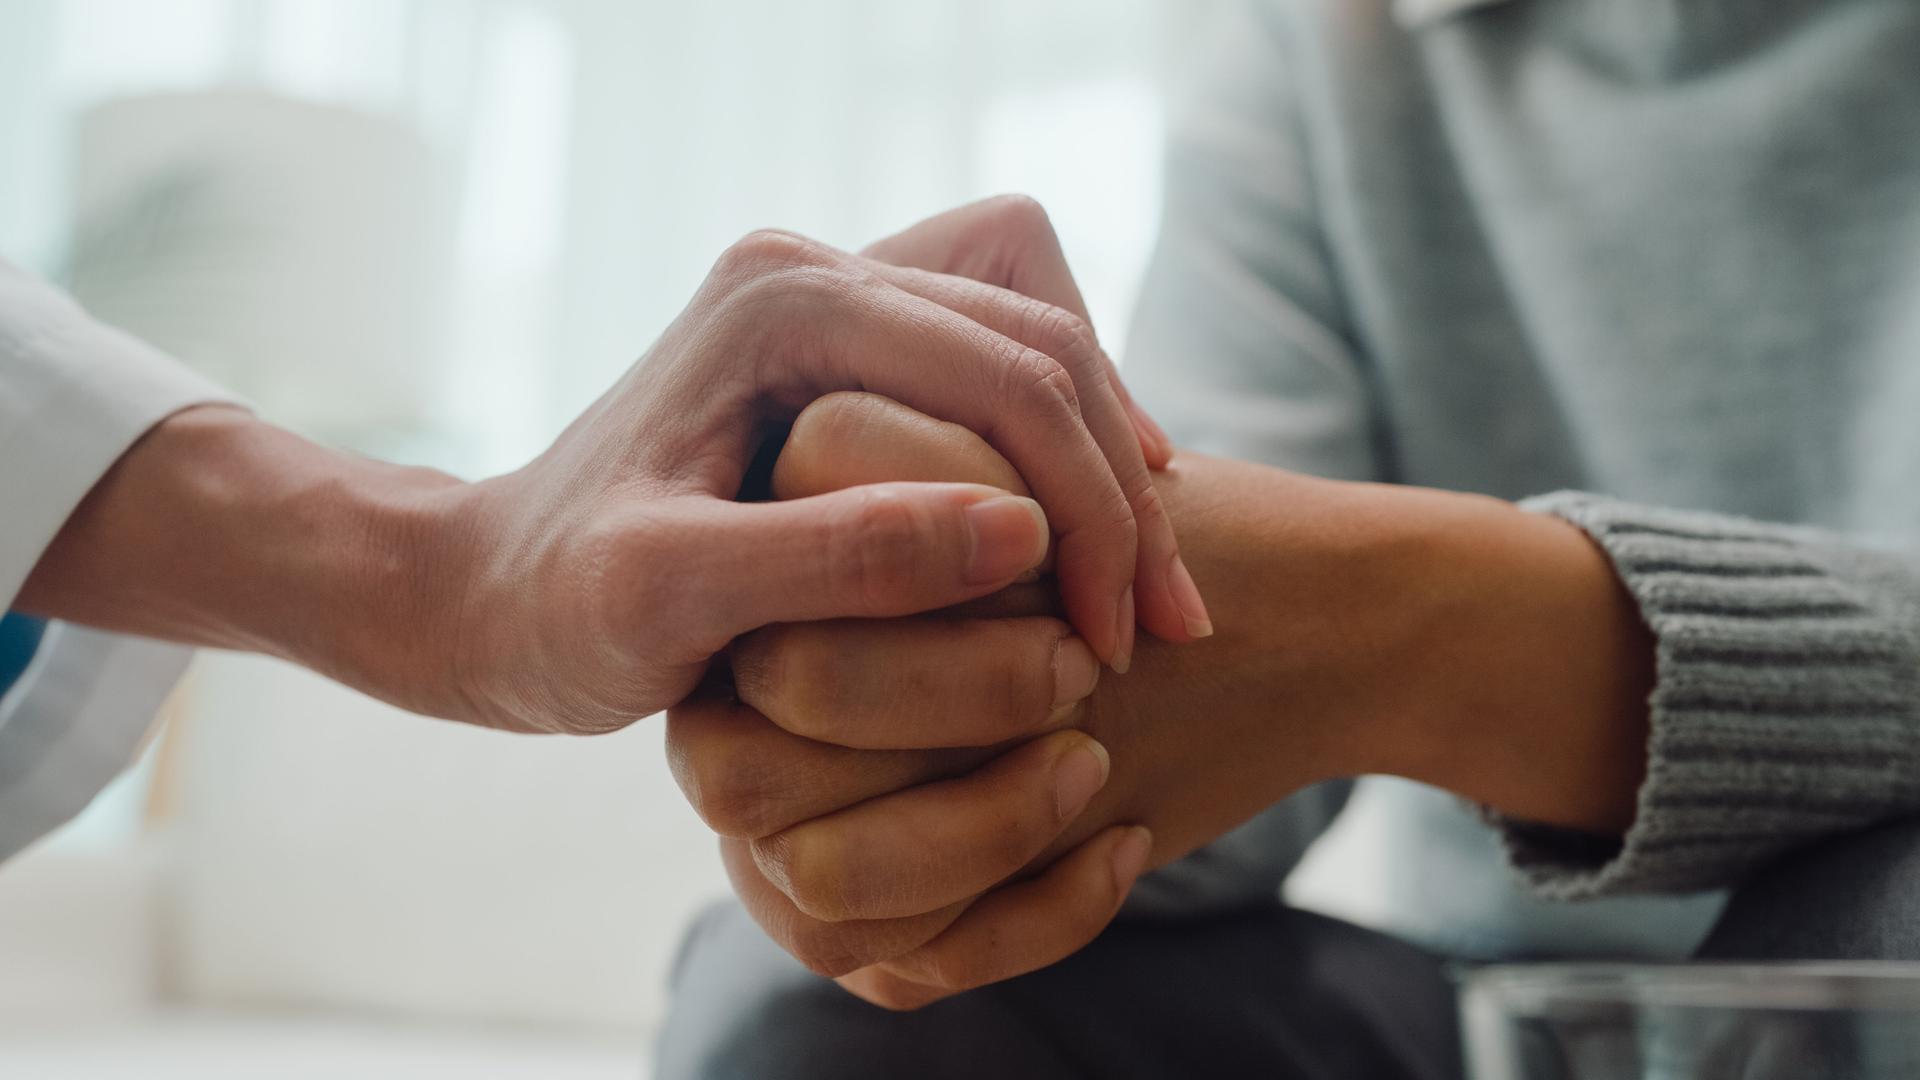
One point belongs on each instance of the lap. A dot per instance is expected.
(1854, 897)
(1271, 992)
(1266, 993)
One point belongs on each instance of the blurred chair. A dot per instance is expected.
(294, 252)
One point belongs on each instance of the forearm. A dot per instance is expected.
(1459, 641)
(219, 529)
(1509, 655)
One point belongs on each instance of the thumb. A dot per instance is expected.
(871, 551)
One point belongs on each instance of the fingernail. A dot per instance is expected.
(1123, 634)
(1009, 534)
(1130, 857)
(1081, 773)
(1186, 597)
(1075, 671)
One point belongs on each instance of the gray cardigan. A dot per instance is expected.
(1651, 265)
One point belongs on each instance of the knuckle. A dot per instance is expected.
(1021, 212)
(829, 428)
(829, 434)
(1025, 682)
(774, 856)
(784, 315)
(1038, 377)
(810, 869)
(1142, 495)
(785, 295)
(1122, 525)
(759, 665)
(1117, 517)
(822, 949)
(774, 279)
(879, 554)
(1069, 339)
(791, 675)
(765, 250)
(729, 788)
(1050, 629)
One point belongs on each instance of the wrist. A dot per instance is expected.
(1300, 574)
(1527, 688)
(352, 567)
(219, 529)
(387, 581)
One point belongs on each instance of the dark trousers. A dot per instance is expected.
(1268, 993)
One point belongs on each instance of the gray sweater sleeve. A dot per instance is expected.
(1786, 704)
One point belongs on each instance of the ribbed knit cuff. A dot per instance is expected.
(1784, 707)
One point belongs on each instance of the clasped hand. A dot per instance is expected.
(937, 788)
(921, 805)
(611, 569)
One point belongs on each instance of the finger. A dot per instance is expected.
(1039, 426)
(1017, 928)
(1137, 427)
(933, 845)
(878, 986)
(915, 683)
(1012, 602)
(1004, 240)
(1010, 242)
(872, 551)
(1169, 603)
(747, 777)
(853, 437)
(812, 321)
(826, 948)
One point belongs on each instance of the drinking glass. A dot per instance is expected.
(1696, 1021)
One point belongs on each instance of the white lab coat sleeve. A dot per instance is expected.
(74, 395)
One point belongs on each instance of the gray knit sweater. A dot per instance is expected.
(1651, 265)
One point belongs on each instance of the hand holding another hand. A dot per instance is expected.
(1357, 625)
(594, 586)
(610, 570)
(888, 788)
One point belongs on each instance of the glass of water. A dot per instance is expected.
(1697, 1021)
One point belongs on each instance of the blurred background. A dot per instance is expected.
(434, 231)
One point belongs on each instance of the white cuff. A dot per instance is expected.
(75, 719)
(74, 396)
